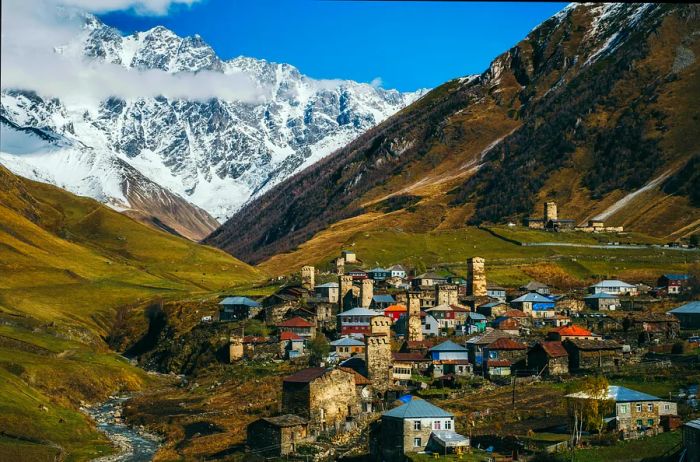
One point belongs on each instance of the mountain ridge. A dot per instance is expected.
(541, 123)
(215, 153)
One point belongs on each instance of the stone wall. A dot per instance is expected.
(235, 348)
(414, 328)
(379, 361)
(446, 294)
(345, 292)
(332, 399)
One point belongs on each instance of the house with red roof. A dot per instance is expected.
(548, 358)
(573, 332)
(395, 311)
(299, 326)
(291, 345)
(504, 349)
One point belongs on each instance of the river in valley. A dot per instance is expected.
(133, 445)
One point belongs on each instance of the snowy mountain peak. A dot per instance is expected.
(216, 154)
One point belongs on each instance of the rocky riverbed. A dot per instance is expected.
(133, 444)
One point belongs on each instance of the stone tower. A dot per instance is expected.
(550, 211)
(344, 292)
(414, 328)
(308, 275)
(446, 294)
(476, 277)
(340, 266)
(380, 324)
(235, 348)
(366, 293)
(378, 360)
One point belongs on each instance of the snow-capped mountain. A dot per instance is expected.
(216, 154)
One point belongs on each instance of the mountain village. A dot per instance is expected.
(377, 341)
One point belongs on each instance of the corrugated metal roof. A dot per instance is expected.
(361, 312)
(600, 295)
(239, 301)
(383, 298)
(693, 423)
(347, 341)
(296, 322)
(688, 308)
(612, 283)
(677, 277)
(533, 297)
(505, 343)
(417, 409)
(620, 395)
(448, 345)
(449, 438)
(328, 285)
(306, 375)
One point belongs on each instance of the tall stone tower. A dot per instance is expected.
(308, 277)
(366, 292)
(344, 292)
(235, 348)
(550, 211)
(340, 266)
(476, 277)
(446, 294)
(414, 328)
(378, 353)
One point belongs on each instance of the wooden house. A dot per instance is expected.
(548, 358)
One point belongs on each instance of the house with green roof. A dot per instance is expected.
(414, 427)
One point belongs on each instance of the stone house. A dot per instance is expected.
(602, 302)
(276, 436)
(476, 344)
(238, 308)
(634, 413)
(298, 326)
(496, 292)
(427, 280)
(291, 345)
(349, 256)
(688, 315)
(593, 354)
(505, 348)
(510, 326)
(414, 427)
(548, 358)
(492, 309)
(325, 397)
(329, 290)
(398, 271)
(655, 326)
(535, 286)
(691, 439)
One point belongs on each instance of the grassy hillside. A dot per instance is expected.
(68, 266)
(378, 243)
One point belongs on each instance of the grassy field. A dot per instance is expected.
(632, 450)
(68, 265)
(507, 263)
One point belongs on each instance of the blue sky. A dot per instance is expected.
(408, 45)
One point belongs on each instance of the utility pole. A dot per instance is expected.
(513, 398)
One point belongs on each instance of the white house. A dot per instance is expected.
(398, 271)
(613, 286)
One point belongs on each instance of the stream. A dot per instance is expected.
(133, 445)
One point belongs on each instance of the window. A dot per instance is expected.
(448, 425)
(436, 425)
(639, 423)
(624, 409)
(416, 425)
(417, 442)
(650, 407)
(639, 407)
(667, 407)
(650, 422)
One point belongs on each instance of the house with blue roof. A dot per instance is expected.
(382, 301)
(238, 308)
(448, 350)
(688, 315)
(416, 426)
(535, 305)
(674, 284)
(345, 347)
(634, 413)
(602, 301)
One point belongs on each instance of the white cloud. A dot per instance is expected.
(32, 29)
